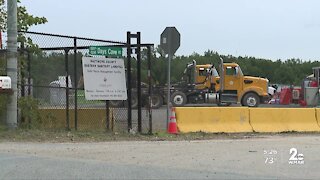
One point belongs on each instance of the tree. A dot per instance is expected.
(25, 21)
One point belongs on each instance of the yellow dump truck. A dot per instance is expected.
(203, 84)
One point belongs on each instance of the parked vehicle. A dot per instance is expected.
(156, 97)
(202, 84)
(306, 95)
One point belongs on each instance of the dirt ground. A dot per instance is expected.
(35, 135)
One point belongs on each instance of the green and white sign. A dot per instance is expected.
(105, 51)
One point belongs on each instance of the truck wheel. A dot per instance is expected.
(115, 103)
(178, 98)
(251, 100)
(156, 101)
(134, 101)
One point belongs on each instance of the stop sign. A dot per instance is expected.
(170, 40)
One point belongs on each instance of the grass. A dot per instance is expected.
(35, 135)
(38, 135)
(82, 100)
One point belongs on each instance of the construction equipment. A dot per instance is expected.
(202, 84)
(306, 95)
(310, 89)
(311, 92)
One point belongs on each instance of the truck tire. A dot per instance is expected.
(134, 101)
(251, 100)
(156, 101)
(178, 98)
(114, 103)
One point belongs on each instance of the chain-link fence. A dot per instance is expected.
(51, 87)
(3, 97)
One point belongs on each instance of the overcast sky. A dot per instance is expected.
(273, 29)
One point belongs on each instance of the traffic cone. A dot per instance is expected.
(172, 128)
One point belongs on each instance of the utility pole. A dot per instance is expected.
(12, 63)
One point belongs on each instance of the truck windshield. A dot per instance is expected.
(214, 72)
(233, 71)
(239, 71)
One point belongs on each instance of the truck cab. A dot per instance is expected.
(206, 76)
(248, 90)
(231, 86)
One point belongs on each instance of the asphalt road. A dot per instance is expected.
(260, 157)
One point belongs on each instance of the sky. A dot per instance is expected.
(271, 29)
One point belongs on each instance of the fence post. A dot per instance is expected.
(139, 79)
(75, 85)
(29, 72)
(21, 116)
(66, 60)
(129, 79)
(150, 88)
(21, 72)
(107, 115)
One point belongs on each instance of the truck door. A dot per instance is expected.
(232, 79)
(201, 76)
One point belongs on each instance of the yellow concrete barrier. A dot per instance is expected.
(318, 115)
(213, 119)
(93, 119)
(283, 119)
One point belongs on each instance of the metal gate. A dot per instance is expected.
(51, 77)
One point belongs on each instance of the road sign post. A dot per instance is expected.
(169, 43)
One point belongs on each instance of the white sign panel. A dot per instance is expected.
(5, 82)
(104, 78)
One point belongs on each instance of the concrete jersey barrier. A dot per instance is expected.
(283, 119)
(242, 119)
(213, 119)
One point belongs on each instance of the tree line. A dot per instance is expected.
(289, 72)
(47, 66)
